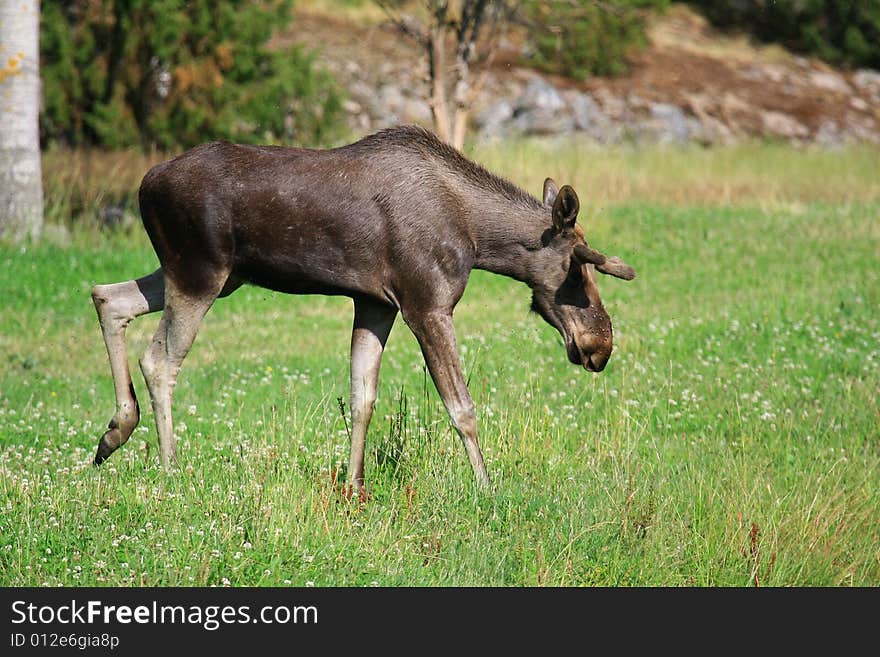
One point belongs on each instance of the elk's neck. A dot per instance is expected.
(509, 241)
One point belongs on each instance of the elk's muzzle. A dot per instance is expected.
(592, 351)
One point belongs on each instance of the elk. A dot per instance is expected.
(395, 221)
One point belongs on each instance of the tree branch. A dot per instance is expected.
(404, 24)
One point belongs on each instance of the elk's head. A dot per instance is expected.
(565, 292)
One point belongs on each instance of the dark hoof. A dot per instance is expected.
(105, 446)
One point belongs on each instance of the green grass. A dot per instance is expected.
(734, 435)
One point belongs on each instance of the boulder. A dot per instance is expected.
(541, 121)
(859, 104)
(589, 118)
(671, 123)
(829, 82)
(539, 94)
(540, 110)
(711, 130)
(829, 135)
(868, 82)
(393, 105)
(494, 120)
(783, 125)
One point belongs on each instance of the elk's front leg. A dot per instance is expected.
(372, 324)
(436, 335)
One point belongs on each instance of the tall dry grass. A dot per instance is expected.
(82, 185)
(756, 173)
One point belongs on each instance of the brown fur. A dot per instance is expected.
(395, 221)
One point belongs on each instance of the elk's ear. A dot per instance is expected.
(550, 192)
(617, 267)
(565, 209)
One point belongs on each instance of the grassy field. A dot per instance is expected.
(733, 440)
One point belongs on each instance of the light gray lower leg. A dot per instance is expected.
(464, 419)
(372, 324)
(161, 362)
(436, 336)
(117, 304)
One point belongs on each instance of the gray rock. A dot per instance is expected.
(365, 96)
(861, 128)
(636, 102)
(118, 215)
(588, 117)
(671, 122)
(541, 121)
(714, 131)
(539, 94)
(390, 97)
(829, 135)
(859, 104)
(585, 111)
(351, 106)
(709, 129)
(400, 107)
(417, 110)
(770, 72)
(494, 120)
(539, 110)
(783, 125)
(867, 79)
(829, 82)
(868, 82)
(613, 106)
(361, 122)
(527, 103)
(732, 105)
(360, 90)
(665, 124)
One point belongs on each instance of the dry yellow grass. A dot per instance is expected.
(359, 12)
(763, 174)
(683, 28)
(79, 183)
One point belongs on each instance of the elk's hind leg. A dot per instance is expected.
(117, 304)
(174, 336)
(372, 324)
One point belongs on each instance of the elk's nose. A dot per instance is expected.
(596, 359)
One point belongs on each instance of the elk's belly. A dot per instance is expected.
(299, 261)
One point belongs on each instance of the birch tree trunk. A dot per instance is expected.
(21, 188)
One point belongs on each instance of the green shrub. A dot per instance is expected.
(579, 39)
(839, 31)
(167, 73)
